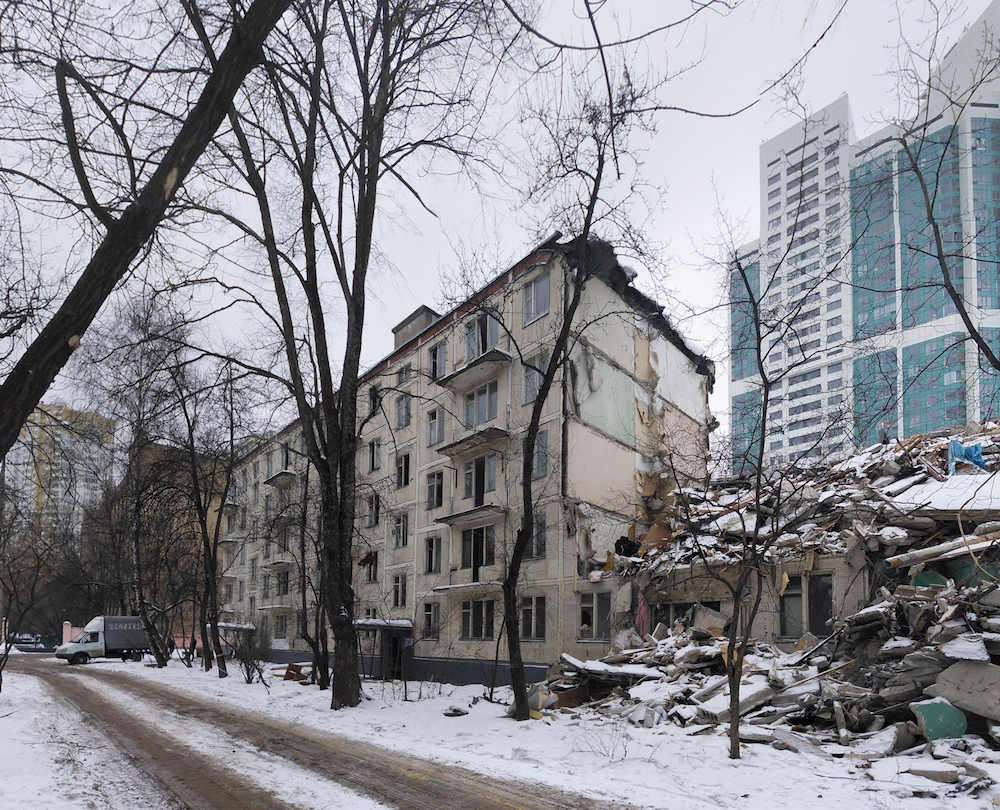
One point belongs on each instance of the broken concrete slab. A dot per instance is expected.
(754, 693)
(937, 719)
(973, 686)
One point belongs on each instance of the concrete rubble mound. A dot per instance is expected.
(909, 685)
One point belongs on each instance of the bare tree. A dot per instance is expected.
(357, 99)
(54, 46)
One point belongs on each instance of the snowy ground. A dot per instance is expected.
(609, 760)
(51, 757)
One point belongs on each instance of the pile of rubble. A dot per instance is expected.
(909, 686)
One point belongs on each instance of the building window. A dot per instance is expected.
(286, 457)
(370, 563)
(230, 522)
(241, 591)
(436, 361)
(401, 531)
(402, 470)
(432, 556)
(229, 592)
(374, 455)
(371, 615)
(253, 569)
(374, 400)
(266, 586)
(477, 619)
(403, 373)
(540, 460)
(536, 298)
(403, 411)
(253, 605)
(243, 554)
(269, 461)
(256, 493)
(536, 545)
(282, 584)
(399, 590)
(435, 427)
(267, 506)
(534, 370)
(435, 489)
(533, 617)
(481, 335)
(480, 476)
(790, 609)
(595, 616)
(281, 626)
(481, 405)
(478, 549)
(243, 517)
(371, 516)
(432, 620)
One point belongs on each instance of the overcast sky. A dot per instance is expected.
(702, 163)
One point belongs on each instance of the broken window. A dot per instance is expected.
(374, 455)
(374, 400)
(432, 620)
(536, 298)
(370, 564)
(371, 516)
(533, 617)
(481, 405)
(432, 558)
(436, 361)
(480, 477)
(820, 603)
(595, 616)
(477, 619)
(399, 590)
(790, 609)
(401, 531)
(435, 490)
(402, 470)
(481, 334)
(478, 549)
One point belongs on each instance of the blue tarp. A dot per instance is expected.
(959, 452)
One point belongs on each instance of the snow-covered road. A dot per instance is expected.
(274, 742)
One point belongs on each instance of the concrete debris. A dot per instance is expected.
(926, 544)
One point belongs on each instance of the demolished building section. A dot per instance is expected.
(893, 660)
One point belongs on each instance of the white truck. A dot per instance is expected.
(106, 637)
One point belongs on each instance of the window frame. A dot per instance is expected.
(529, 299)
(399, 590)
(402, 470)
(434, 490)
(432, 555)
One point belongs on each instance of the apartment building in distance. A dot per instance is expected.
(443, 419)
(869, 344)
(59, 467)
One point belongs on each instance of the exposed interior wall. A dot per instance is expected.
(599, 470)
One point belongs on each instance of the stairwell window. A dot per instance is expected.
(432, 620)
(432, 556)
(435, 489)
(435, 427)
(536, 298)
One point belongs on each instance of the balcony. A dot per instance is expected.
(476, 514)
(282, 561)
(476, 371)
(281, 479)
(482, 439)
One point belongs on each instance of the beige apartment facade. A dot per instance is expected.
(442, 422)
